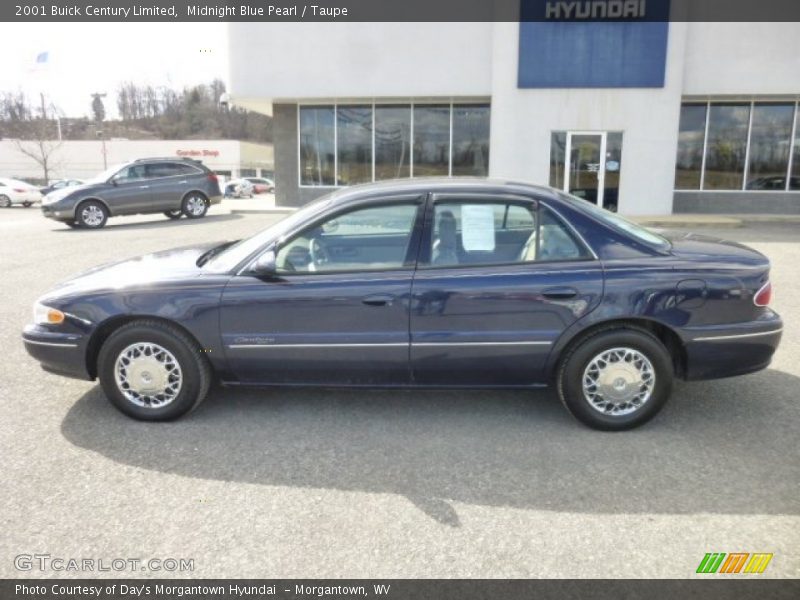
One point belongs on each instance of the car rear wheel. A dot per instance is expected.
(27, 204)
(153, 371)
(616, 379)
(92, 215)
(5, 201)
(195, 206)
(174, 214)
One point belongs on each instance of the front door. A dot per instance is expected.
(129, 190)
(585, 166)
(337, 312)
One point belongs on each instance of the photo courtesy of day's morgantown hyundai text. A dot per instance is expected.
(420, 283)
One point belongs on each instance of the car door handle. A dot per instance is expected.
(560, 293)
(378, 300)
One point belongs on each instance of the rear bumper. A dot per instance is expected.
(714, 352)
(61, 353)
(215, 199)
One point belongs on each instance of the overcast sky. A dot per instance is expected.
(96, 57)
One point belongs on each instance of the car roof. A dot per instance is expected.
(168, 159)
(12, 181)
(440, 185)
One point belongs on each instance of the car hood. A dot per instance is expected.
(158, 268)
(705, 247)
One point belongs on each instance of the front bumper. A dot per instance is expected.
(718, 351)
(61, 353)
(57, 213)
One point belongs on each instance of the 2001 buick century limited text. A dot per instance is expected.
(430, 283)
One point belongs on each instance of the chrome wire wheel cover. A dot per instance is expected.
(92, 215)
(148, 375)
(618, 381)
(195, 205)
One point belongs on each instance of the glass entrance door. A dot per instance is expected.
(585, 166)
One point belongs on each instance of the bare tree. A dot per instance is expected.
(42, 148)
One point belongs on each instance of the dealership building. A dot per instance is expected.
(648, 117)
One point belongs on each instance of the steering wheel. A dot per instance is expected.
(319, 255)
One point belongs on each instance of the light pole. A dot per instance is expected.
(103, 141)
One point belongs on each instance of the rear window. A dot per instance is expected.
(617, 222)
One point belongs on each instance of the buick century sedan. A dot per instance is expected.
(425, 283)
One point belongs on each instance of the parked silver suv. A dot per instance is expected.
(174, 186)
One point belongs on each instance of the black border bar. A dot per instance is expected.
(709, 588)
(386, 10)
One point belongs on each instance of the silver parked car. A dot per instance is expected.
(173, 186)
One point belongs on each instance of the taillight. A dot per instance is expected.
(764, 295)
(212, 177)
(20, 191)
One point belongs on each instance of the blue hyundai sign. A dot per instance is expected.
(593, 43)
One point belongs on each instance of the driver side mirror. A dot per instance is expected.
(266, 265)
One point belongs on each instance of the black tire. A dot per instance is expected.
(574, 364)
(191, 206)
(174, 214)
(72, 224)
(195, 370)
(91, 214)
(5, 201)
(27, 204)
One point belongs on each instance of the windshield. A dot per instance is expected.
(229, 258)
(106, 175)
(614, 220)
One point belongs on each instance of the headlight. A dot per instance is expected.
(46, 315)
(53, 197)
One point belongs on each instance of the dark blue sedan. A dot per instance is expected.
(428, 283)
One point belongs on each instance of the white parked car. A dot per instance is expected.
(239, 188)
(14, 191)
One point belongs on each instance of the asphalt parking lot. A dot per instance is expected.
(310, 483)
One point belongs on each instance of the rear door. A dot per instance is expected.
(499, 279)
(169, 182)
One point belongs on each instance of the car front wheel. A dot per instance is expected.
(5, 201)
(153, 371)
(616, 379)
(195, 206)
(92, 215)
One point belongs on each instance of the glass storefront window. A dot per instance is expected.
(727, 146)
(756, 133)
(470, 140)
(349, 144)
(354, 144)
(431, 140)
(794, 180)
(317, 145)
(770, 140)
(613, 168)
(392, 142)
(691, 137)
(558, 146)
